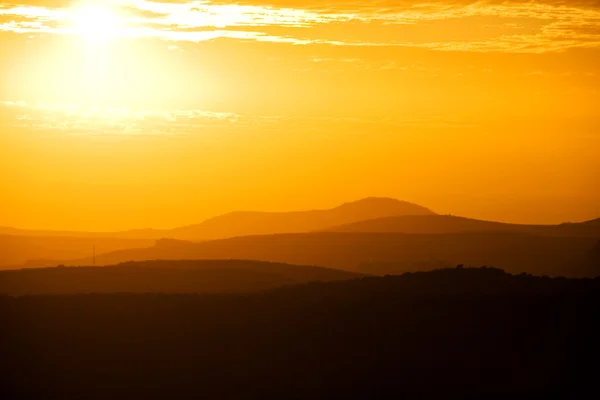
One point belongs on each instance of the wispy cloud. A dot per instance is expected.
(81, 119)
(95, 120)
(554, 25)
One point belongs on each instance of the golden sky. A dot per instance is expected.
(127, 114)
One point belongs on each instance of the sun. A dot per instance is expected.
(95, 22)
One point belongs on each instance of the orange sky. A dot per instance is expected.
(127, 114)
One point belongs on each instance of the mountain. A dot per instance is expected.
(513, 251)
(593, 222)
(427, 224)
(243, 223)
(266, 223)
(33, 250)
(46, 248)
(587, 229)
(208, 276)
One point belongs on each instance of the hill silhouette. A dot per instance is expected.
(468, 241)
(515, 252)
(426, 224)
(208, 276)
(243, 223)
(43, 251)
(593, 222)
(450, 332)
(266, 223)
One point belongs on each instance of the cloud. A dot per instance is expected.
(78, 119)
(96, 120)
(552, 25)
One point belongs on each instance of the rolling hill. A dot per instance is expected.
(379, 234)
(25, 248)
(515, 252)
(208, 276)
(42, 251)
(245, 223)
(266, 223)
(427, 224)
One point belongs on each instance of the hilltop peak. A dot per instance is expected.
(386, 205)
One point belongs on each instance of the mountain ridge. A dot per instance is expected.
(432, 224)
(515, 252)
(243, 223)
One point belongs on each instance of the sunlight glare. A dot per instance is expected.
(95, 22)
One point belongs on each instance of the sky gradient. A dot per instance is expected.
(131, 114)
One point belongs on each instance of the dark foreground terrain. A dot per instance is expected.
(471, 331)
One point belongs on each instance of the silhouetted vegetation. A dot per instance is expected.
(472, 331)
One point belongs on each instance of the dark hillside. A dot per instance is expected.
(514, 252)
(450, 332)
(436, 224)
(192, 276)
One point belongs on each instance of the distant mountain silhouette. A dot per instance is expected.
(425, 224)
(208, 276)
(587, 228)
(243, 223)
(513, 251)
(594, 222)
(265, 223)
(44, 248)
(44, 251)
(370, 215)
